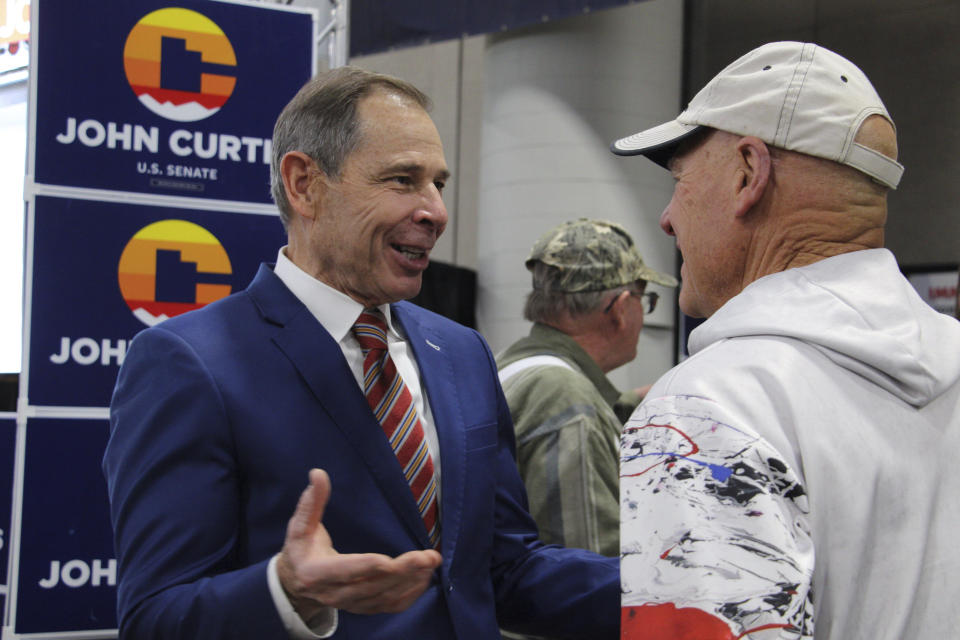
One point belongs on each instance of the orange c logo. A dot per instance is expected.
(171, 267)
(180, 64)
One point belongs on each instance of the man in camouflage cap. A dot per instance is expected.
(587, 306)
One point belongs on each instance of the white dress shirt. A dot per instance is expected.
(337, 312)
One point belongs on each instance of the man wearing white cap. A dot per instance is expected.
(795, 476)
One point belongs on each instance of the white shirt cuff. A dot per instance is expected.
(322, 625)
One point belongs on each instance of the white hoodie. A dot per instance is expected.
(796, 475)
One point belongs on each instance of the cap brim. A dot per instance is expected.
(658, 143)
(651, 275)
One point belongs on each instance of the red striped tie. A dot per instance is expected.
(393, 406)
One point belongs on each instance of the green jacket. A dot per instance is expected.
(565, 415)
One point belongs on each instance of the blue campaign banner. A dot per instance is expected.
(67, 572)
(8, 443)
(167, 98)
(104, 271)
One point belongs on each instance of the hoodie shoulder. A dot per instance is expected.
(860, 312)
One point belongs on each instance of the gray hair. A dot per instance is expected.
(548, 302)
(321, 121)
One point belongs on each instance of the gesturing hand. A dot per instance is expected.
(642, 391)
(315, 576)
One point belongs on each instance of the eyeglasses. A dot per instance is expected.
(649, 300)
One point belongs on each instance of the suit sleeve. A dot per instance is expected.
(543, 589)
(715, 538)
(176, 503)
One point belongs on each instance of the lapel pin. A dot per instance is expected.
(432, 345)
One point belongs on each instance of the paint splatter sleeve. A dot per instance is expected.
(715, 542)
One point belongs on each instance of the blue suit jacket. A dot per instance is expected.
(218, 415)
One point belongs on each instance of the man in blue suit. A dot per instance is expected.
(220, 416)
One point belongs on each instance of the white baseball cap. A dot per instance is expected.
(792, 95)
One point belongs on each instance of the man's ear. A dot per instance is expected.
(300, 181)
(618, 310)
(753, 173)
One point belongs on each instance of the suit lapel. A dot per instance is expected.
(320, 362)
(435, 360)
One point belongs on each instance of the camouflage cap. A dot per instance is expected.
(593, 255)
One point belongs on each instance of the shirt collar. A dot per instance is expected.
(333, 309)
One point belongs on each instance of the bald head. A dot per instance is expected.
(815, 208)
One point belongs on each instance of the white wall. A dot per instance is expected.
(555, 97)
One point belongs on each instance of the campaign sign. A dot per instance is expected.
(8, 443)
(169, 98)
(67, 572)
(104, 271)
